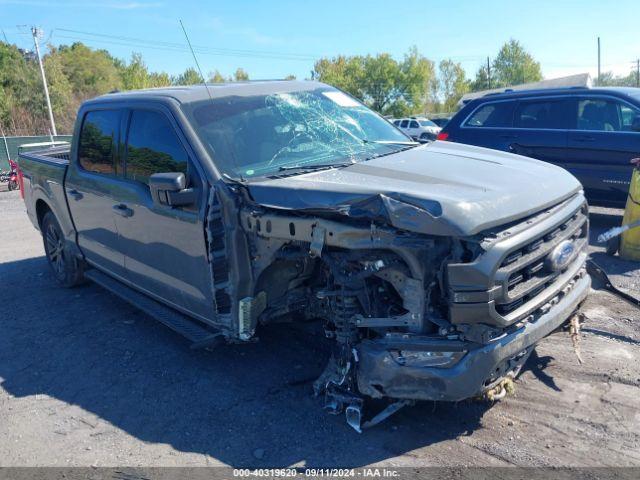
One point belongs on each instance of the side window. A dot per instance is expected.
(97, 140)
(404, 124)
(498, 114)
(628, 115)
(543, 114)
(605, 115)
(413, 124)
(153, 147)
(396, 123)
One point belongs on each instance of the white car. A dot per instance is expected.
(418, 128)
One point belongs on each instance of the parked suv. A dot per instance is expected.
(592, 132)
(418, 128)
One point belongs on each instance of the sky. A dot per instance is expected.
(272, 39)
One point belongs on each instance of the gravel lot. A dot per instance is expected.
(85, 379)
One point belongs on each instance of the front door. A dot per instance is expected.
(600, 146)
(540, 130)
(91, 184)
(165, 247)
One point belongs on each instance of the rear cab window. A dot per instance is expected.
(97, 143)
(497, 114)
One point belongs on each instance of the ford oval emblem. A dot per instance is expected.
(561, 255)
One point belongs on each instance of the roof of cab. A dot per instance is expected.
(195, 93)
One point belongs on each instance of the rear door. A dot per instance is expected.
(601, 144)
(541, 129)
(91, 184)
(404, 126)
(489, 125)
(165, 247)
(413, 129)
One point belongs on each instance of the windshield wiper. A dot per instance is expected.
(312, 167)
(391, 142)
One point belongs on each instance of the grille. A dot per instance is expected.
(523, 274)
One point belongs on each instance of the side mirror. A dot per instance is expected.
(170, 189)
(635, 126)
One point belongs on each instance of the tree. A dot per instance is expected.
(159, 79)
(290, 77)
(63, 101)
(481, 81)
(189, 77)
(388, 86)
(216, 77)
(22, 103)
(608, 79)
(240, 75)
(90, 72)
(135, 75)
(341, 72)
(514, 65)
(452, 82)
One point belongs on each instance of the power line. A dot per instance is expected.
(131, 41)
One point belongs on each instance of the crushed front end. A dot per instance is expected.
(502, 301)
(414, 316)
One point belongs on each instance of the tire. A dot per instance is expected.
(426, 137)
(13, 185)
(67, 269)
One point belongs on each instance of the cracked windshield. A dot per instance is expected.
(292, 132)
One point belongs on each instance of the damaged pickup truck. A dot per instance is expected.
(220, 209)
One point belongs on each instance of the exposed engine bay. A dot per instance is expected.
(383, 295)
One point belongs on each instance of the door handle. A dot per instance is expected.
(75, 194)
(585, 138)
(122, 210)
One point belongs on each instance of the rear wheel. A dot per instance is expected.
(66, 267)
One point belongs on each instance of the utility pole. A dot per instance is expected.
(598, 61)
(638, 72)
(36, 32)
(488, 72)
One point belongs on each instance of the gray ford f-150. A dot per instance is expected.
(221, 209)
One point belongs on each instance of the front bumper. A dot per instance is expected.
(379, 375)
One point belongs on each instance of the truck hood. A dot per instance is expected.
(442, 188)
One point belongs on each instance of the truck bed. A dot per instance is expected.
(56, 155)
(43, 173)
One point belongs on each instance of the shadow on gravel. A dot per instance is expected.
(86, 347)
(537, 366)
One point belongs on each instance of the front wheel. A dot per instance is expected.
(13, 185)
(67, 269)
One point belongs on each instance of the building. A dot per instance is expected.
(578, 80)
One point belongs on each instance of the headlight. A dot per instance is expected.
(426, 359)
